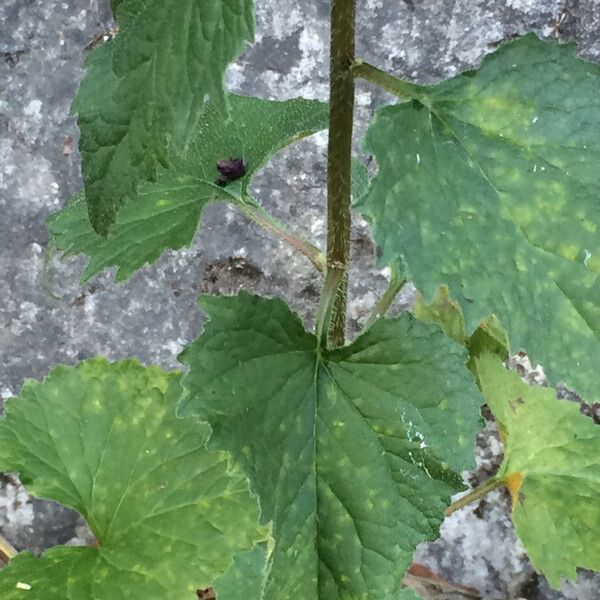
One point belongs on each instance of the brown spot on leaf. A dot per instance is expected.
(513, 483)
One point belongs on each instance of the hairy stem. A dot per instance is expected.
(381, 308)
(391, 84)
(272, 225)
(6, 549)
(329, 293)
(473, 495)
(339, 154)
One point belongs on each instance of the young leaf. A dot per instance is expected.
(146, 89)
(488, 183)
(353, 452)
(552, 468)
(103, 438)
(166, 213)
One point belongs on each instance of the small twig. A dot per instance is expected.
(402, 89)
(474, 495)
(102, 37)
(272, 225)
(6, 549)
(383, 305)
(422, 579)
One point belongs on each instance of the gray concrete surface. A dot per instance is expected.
(153, 316)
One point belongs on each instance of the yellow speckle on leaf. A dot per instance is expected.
(570, 251)
(520, 263)
(500, 113)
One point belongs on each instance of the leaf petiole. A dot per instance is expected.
(476, 494)
(383, 305)
(269, 223)
(402, 89)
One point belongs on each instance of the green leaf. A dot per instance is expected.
(146, 90)
(489, 337)
(245, 578)
(166, 213)
(103, 438)
(353, 452)
(489, 184)
(446, 312)
(552, 468)
(360, 180)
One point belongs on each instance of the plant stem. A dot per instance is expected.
(326, 304)
(381, 308)
(473, 495)
(6, 549)
(391, 84)
(272, 225)
(339, 154)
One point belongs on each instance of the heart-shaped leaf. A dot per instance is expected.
(353, 452)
